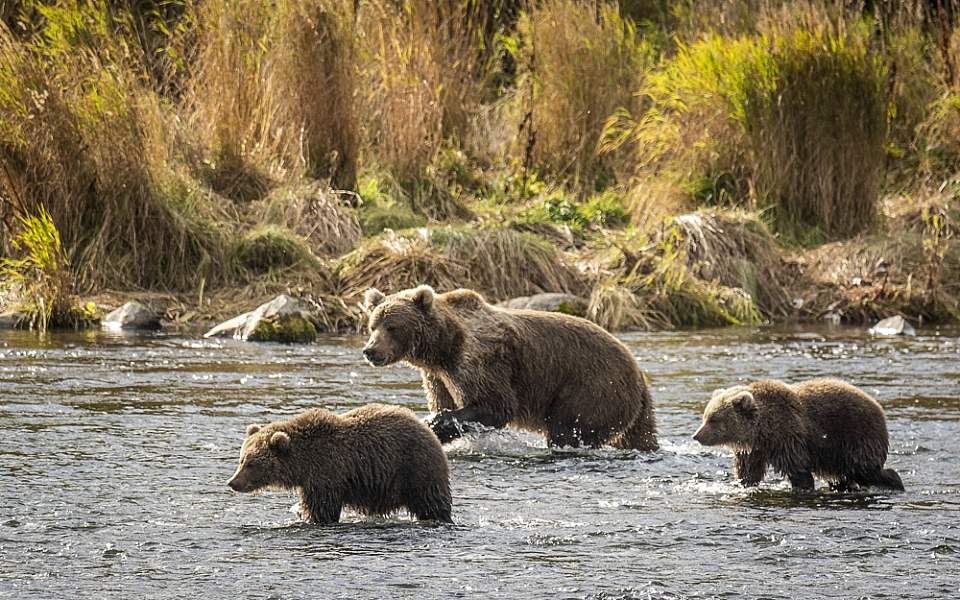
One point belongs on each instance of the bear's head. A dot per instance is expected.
(399, 324)
(729, 419)
(262, 460)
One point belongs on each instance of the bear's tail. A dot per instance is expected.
(641, 434)
(889, 478)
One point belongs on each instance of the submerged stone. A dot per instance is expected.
(549, 302)
(893, 326)
(131, 315)
(284, 319)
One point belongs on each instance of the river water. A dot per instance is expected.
(115, 452)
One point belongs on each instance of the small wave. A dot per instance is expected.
(709, 487)
(502, 442)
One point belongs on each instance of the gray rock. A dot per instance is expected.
(550, 302)
(10, 320)
(283, 319)
(131, 315)
(893, 326)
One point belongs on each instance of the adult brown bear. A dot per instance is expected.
(551, 373)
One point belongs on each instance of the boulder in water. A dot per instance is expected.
(131, 315)
(893, 326)
(549, 302)
(284, 319)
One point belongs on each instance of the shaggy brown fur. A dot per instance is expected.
(551, 373)
(375, 459)
(822, 427)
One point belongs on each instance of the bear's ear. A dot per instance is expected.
(371, 299)
(744, 402)
(423, 296)
(280, 442)
(252, 428)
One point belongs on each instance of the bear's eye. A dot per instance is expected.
(389, 328)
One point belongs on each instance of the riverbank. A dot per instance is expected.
(703, 269)
(669, 164)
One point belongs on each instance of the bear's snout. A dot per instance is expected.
(238, 484)
(373, 357)
(701, 435)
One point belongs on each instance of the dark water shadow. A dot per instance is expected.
(818, 500)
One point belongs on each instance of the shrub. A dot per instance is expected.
(41, 276)
(794, 120)
(607, 210)
(270, 247)
(384, 205)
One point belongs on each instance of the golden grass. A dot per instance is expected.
(313, 212)
(499, 263)
(578, 63)
(423, 74)
(83, 137)
(271, 93)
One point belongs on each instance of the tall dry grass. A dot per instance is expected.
(578, 62)
(423, 66)
(271, 93)
(82, 135)
(819, 137)
(794, 120)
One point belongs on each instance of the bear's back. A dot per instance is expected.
(840, 410)
(392, 426)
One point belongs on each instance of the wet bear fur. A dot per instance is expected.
(551, 373)
(375, 459)
(823, 427)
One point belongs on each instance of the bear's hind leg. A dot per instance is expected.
(885, 478)
(433, 504)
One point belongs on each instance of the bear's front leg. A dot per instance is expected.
(448, 425)
(749, 467)
(317, 506)
(438, 396)
(801, 481)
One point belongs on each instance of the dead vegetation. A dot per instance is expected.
(499, 263)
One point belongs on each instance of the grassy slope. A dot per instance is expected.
(208, 155)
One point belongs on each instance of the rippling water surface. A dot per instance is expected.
(115, 451)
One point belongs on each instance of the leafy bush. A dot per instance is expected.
(41, 276)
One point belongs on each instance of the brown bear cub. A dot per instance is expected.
(822, 427)
(551, 373)
(375, 459)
